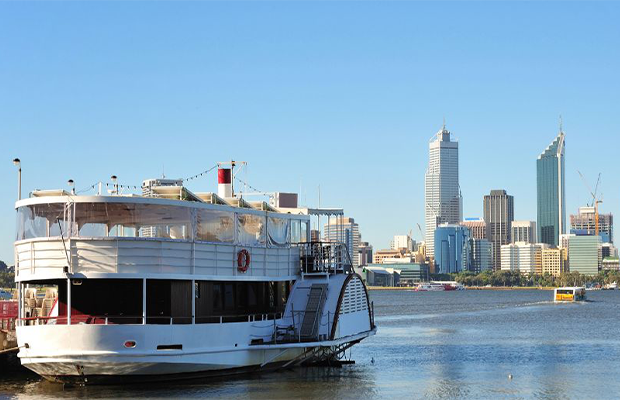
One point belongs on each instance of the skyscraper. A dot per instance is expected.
(550, 192)
(499, 212)
(344, 230)
(443, 201)
(481, 255)
(453, 249)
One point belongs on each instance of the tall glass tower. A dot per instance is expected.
(442, 195)
(551, 194)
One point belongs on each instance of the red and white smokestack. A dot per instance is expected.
(224, 182)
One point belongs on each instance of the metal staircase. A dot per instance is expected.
(314, 308)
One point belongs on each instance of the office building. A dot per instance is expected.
(481, 255)
(584, 223)
(477, 227)
(380, 255)
(452, 249)
(585, 254)
(344, 230)
(554, 261)
(402, 242)
(523, 257)
(499, 213)
(442, 195)
(564, 240)
(523, 231)
(365, 253)
(551, 208)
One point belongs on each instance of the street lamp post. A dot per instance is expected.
(114, 180)
(18, 163)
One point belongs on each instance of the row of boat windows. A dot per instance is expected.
(158, 221)
(120, 301)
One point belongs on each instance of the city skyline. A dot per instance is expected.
(135, 99)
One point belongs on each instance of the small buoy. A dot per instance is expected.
(372, 360)
(509, 376)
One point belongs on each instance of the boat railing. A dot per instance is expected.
(150, 320)
(289, 330)
(324, 257)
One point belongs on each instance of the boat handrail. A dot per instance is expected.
(324, 257)
(110, 319)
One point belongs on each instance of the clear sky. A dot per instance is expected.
(342, 95)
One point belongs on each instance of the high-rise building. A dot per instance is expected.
(442, 195)
(481, 255)
(402, 242)
(584, 223)
(477, 227)
(452, 249)
(499, 212)
(585, 254)
(523, 231)
(523, 257)
(554, 261)
(365, 253)
(551, 195)
(344, 230)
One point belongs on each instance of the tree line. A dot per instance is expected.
(515, 278)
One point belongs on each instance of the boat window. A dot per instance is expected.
(215, 226)
(168, 301)
(44, 302)
(250, 229)
(240, 301)
(34, 221)
(304, 232)
(278, 231)
(295, 231)
(106, 301)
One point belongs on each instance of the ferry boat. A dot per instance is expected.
(170, 284)
(563, 294)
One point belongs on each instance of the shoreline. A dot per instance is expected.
(467, 288)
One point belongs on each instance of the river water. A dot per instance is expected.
(461, 344)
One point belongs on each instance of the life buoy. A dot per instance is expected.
(243, 260)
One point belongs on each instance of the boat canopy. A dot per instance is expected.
(92, 217)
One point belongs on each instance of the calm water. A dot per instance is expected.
(435, 345)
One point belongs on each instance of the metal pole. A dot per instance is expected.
(19, 183)
(68, 301)
(17, 162)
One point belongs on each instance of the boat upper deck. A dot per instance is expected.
(146, 236)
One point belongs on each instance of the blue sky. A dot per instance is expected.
(342, 95)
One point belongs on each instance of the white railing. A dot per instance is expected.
(149, 256)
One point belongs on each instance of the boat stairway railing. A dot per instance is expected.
(304, 325)
(324, 258)
(286, 331)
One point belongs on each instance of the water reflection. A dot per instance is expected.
(446, 345)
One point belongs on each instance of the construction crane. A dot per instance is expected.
(595, 200)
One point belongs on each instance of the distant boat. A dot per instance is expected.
(437, 287)
(569, 294)
(611, 286)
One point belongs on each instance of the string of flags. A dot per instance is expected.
(247, 184)
(135, 187)
(201, 174)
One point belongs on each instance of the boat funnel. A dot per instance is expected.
(224, 182)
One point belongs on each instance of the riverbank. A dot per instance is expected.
(469, 288)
